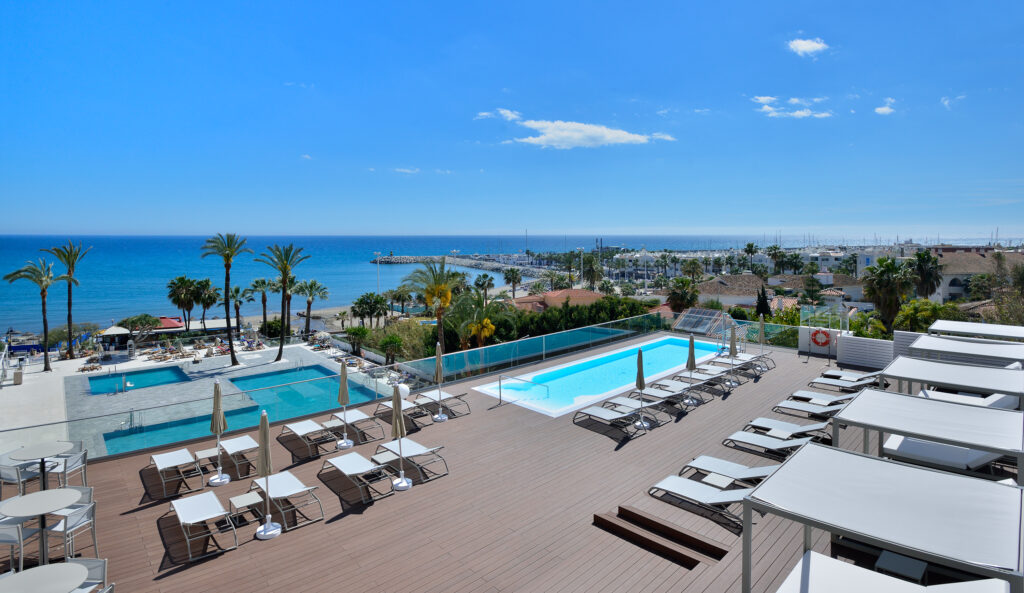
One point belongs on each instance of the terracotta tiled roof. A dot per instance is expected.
(975, 263)
(833, 292)
(737, 285)
(171, 322)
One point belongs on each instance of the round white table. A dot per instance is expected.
(52, 578)
(41, 451)
(39, 504)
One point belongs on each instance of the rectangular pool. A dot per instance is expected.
(273, 394)
(580, 383)
(127, 381)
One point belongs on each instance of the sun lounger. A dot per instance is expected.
(817, 573)
(236, 450)
(441, 399)
(702, 495)
(312, 434)
(763, 444)
(358, 420)
(364, 474)
(807, 408)
(415, 454)
(673, 393)
(821, 399)
(781, 429)
(623, 419)
(721, 473)
(849, 375)
(176, 466)
(996, 400)
(696, 382)
(937, 455)
(410, 410)
(195, 514)
(843, 385)
(288, 495)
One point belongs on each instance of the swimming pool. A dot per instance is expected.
(120, 382)
(574, 385)
(281, 401)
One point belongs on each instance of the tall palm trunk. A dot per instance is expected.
(264, 298)
(309, 306)
(284, 312)
(238, 316)
(46, 335)
(227, 311)
(71, 328)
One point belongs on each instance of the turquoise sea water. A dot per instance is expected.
(279, 400)
(569, 387)
(119, 382)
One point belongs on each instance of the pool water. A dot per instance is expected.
(120, 382)
(281, 402)
(580, 383)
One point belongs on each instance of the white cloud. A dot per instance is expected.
(807, 47)
(307, 157)
(948, 102)
(797, 101)
(823, 114)
(764, 100)
(443, 171)
(805, 102)
(663, 112)
(570, 134)
(484, 115)
(663, 136)
(887, 108)
(407, 171)
(702, 110)
(773, 111)
(509, 115)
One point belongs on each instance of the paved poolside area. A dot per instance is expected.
(515, 513)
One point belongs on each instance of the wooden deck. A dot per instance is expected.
(515, 513)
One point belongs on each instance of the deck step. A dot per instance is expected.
(648, 540)
(707, 547)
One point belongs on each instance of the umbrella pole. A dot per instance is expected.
(344, 443)
(221, 478)
(402, 483)
(642, 423)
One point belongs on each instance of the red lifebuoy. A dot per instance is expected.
(820, 337)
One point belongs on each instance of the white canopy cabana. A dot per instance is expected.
(114, 330)
(980, 330)
(975, 427)
(988, 353)
(946, 519)
(959, 377)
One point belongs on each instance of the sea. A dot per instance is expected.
(127, 275)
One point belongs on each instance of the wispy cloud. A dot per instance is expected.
(807, 47)
(702, 111)
(307, 157)
(770, 107)
(407, 171)
(663, 136)
(886, 109)
(564, 135)
(805, 102)
(765, 100)
(505, 114)
(443, 171)
(665, 111)
(948, 102)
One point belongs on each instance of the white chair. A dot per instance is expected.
(97, 578)
(16, 475)
(70, 463)
(13, 533)
(194, 516)
(288, 494)
(78, 520)
(177, 466)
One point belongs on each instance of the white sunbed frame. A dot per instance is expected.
(715, 471)
(809, 409)
(443, 401)
(844, 385)
(780, 429)
(295, 496)
(363, 473)
(417, 455)
(707, 497)
(312, 434)
(182, 464)
(624, 419)
(194, 514)
(354, 420)
(761, 444)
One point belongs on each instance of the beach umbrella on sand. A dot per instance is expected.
(398, 433)
(218, 424)
(439, 380)
(343, 400)
(641, 384)
(264, 468)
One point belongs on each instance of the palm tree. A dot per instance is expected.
(284, 261)
(378, 308)
(342, 317)
(707, 263)
(730, 261)
(41, 274)
(69, 255)
(550, 276)
(476, 316)
(235, 299)
(682, 295)
(693, 269)
(886, 284)
(403, 295)
(262, 286)
(606, 287)
(181, 291)
(592, 272)
(513, 277)
(227, 247)
(795, 263)
(929, 273)
(434, 283)
(206, 295)
(751, 250)
(312, 290)
(484, 282)
(391, 295)
(716, 264)
(777, 255)
(391, 344)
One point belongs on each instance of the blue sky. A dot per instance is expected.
(430, 118)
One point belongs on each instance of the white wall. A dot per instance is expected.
(864, 352)
(806, 343)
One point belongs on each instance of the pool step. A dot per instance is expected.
(675, 543)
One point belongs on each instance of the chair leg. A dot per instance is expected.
(95, 544)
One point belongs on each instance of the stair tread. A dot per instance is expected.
(704, 545)
(687, 557)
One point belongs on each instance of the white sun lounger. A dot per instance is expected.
(817, 573)
(781, 429)
(442, 399)
(821, 399)
(937, 455)
(363, 473)
(354, 419)
(410, 410)
(416, 454)
(673, 393)
(849, 375)
(177, 466)
(843, 385)
(288, 494)
(624, 419)
(721, 473)
(703, 495)
(700, 383)
(313, 434)
(763, 444)
(807, 408)
(194, 515)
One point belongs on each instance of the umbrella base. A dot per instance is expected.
(642, 425)
(401, 483)
(345, 444)
(268, 530)
(219, 479)
(440, 418)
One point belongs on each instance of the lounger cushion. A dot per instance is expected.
(938, 454)
(736, 471)
(766, 442)
(809, 408)
(605, 414)
(700, 492)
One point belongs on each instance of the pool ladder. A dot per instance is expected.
(133, 423)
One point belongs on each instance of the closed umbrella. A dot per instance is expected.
(439, 379)
(691, 365)
(345, 442)
(398, 433)
(264, 468)
(641, 384)
(760, 332)
(732, 352)
(218, 424)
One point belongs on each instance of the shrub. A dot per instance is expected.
(271, 329)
